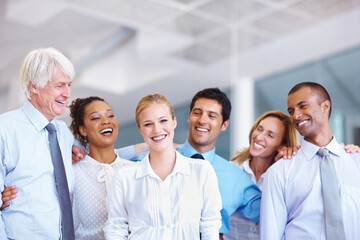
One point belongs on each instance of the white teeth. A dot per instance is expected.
(106, 130)
(202, 129)
(303, 122)
(159, 138)
(258, 146)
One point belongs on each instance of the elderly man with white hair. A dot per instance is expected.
(35, 152)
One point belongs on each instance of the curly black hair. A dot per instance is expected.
(77, 108)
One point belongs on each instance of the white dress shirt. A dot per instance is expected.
(238, 192)
(91, 184)
(183, 206)
(241, 227)
(292, 202)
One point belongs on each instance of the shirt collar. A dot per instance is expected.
(37, 119)
(246, 167)
(188, 151)
(182, 166)
(310, 150)
(334, 147)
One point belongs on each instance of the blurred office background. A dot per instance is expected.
(254, 50)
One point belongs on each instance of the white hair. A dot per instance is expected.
(39, 66)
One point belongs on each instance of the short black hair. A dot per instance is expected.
(217, 95)
(323, 95)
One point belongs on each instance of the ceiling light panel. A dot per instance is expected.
(325, 8)
(31, 12)
(248, 40)
(279, 23)
(199, 54)
(219, 47)
(82, 31)
(141, 11)
(190, 25)
(233, 10)
(206, 52)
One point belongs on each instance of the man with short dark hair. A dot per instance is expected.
(298, 202)
(208, 117)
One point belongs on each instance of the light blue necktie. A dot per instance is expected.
(334, 226)
(67, 225)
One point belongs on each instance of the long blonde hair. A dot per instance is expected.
(289, 138)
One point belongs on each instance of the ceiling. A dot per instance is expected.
(124, 49)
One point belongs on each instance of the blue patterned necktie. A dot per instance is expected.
(334, 226)
(197, 156)
(67, 225)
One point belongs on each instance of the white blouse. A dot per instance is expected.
(183, 206)
(91, 184)
(241, 227)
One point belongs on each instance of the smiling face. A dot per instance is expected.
(205, 124)
(100, 124)
(52, 99)
(267, 138)
(157, 126)
(308, 114)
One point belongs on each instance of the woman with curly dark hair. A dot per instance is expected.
(95, 126)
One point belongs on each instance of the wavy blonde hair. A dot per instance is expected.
(289, 139)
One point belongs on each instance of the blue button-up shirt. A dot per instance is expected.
(238, 192)
(26, 163)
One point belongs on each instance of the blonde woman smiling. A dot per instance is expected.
(166, 196)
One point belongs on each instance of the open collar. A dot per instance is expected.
(182, 166)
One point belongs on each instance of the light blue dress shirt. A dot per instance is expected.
(128, 153)
(292, 202)
(26, 163)
(238, 192)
